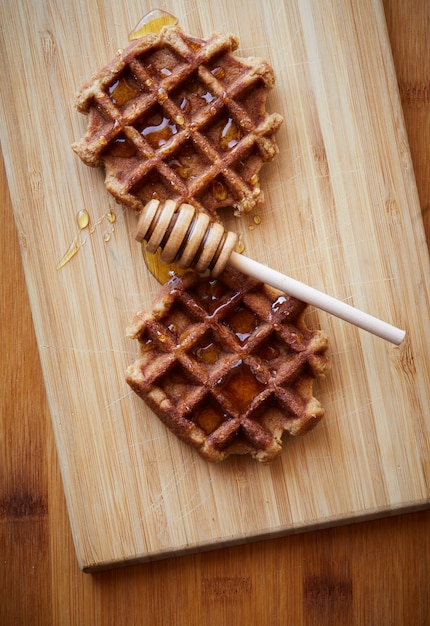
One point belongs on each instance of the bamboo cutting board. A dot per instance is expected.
(341, 214)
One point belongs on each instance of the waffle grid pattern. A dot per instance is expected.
(180, 118)
(228, 365)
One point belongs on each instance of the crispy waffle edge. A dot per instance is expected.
(241, 192)
(263, 440)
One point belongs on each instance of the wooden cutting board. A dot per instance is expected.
(341, 214)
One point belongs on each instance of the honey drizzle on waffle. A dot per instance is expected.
(228, 364)
(189, 143)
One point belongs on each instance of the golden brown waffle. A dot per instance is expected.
(173, 117)
(228, 364)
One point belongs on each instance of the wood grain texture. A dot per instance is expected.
(117, 474)
(24, 527)
(410, 60)
(388, 560)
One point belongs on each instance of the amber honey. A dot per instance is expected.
(278, 302)
(185, 105)
(209, 294)
(158, 134)
(243, 322)
(208, 418)
(219, 190)
(229, 136)
(208, 353)
(208, 97)
(83, 222)
(123, 90)
(82, 219)
(180, 168)
(240, 386)
(152, 22)
(161, 271)
(269, 352)
(218, 72)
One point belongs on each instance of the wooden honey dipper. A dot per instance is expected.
(190, 239)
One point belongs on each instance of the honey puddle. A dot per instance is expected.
(152, 22)
(240, 386)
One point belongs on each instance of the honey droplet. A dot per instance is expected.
(243, 322)
(240, 386)
(240, 246)
(123, 147)
(162, 272)
(183, 170)
(71, 251)
(152, 22)
(219, 190)
(208, 353)
(209, 294)
(208, 97)
(208, 418)
(147, 346)
(122, 91)
(195, 44)
(158, 134)
(111, 218)
(161, 337)
(269, 352)
(256, 219)
(162, 95)
(82, 219)
(230, 135)
(185, 105)
(218, 72)
(278, 303)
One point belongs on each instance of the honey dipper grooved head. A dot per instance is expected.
(186, 236)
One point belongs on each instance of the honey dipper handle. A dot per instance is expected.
(190, 239)
(317, 298)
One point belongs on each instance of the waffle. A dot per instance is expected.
(228, 364)
(173, 117)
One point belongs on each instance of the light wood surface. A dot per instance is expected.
(375, 572)
(342, 213)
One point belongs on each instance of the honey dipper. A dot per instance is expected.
(190, 239)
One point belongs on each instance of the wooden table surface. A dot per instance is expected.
(366, 573)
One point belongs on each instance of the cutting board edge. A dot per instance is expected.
(287, 531)
(212, 545)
